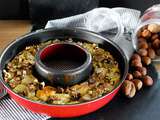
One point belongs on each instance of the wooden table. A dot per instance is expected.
(11, 29)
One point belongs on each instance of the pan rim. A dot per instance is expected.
(73, 30)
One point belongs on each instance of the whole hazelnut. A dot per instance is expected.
(155, 36)
(142, 52)
(156, 43)
(137, 74)
(158, 52)
(135, 56)
(142, 70)
(154, 28)
(129, 76)
(144, 27)
(143, 45)
(128, 88)
(139, 33)
(147, 80)
(136, 63)
(138, 83)
(146, 33)
(151, 53)
(141, 39)
(146, 60)
(149, 45)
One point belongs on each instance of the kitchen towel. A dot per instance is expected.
(116, 23)
(10, 110)
(98, 20)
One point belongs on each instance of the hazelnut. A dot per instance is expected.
(156, 43)
(85, 97)
(158, 52)
(128, 88)
(142, 52)
(141, 39)
(144, 27)
(155, 36)
(154, 28)
(143, 45)
(139, 33)
(151, 53)
(147, 80)
(146, 33)
(138, 83)
(149, 45)
(146, 60)
(137, 74)
(91, 81)
(135, 56)
(142, 70)
(136, 63)
(129, 76)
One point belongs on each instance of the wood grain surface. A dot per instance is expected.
(11, 29)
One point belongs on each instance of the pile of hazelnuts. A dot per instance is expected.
(148, 48)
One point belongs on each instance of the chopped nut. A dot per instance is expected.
(91, 80)
(32, 87)
(20, 88)
(45, 93)
(86, 97)
(19, 73)
(42, 84)
(41, 95)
